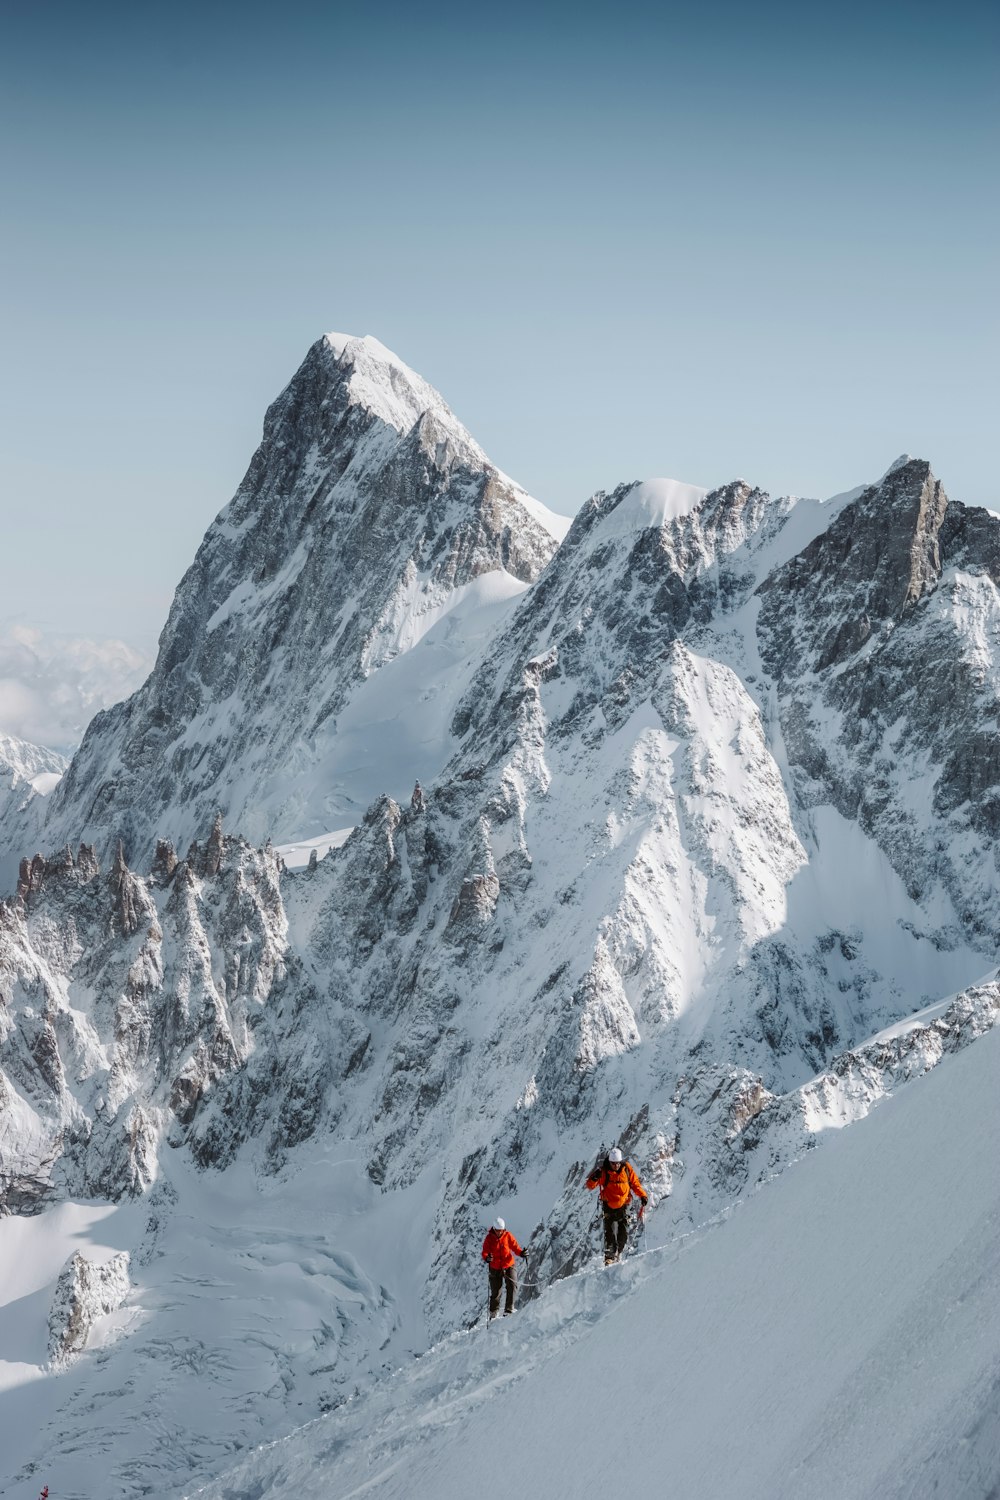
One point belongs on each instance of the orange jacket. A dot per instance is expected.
(499, 1248)
(617, 1184)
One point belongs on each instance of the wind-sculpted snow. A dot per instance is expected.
(708, 824)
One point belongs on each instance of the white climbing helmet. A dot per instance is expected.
(614, 1155)
(499, 1224)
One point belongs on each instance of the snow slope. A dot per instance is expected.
(259, 1298)
(838, 1335)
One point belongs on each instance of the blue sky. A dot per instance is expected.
(698, 241)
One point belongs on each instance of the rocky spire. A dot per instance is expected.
(879, 557)
(124, 887)
(164, 862)
(213, 849)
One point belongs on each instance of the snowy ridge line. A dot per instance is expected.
(638, 1267)
(454, 1395)
(790, 1125)
(902, 1055)
(876, 1416)
(968, 1017)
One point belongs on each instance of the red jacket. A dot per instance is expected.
(499, 1248)
(617, 1184)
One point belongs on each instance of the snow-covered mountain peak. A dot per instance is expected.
(21, 761)
(690, 525)
(877, 558)
(368, 516)
(28, 773)
(651, 502)
(875, 635)
(378, 380)
(380, 383)
(898, 463)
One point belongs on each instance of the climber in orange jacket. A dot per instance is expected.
(617, 1181)
(499, 1249)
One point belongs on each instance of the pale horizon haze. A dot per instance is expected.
(658, 240)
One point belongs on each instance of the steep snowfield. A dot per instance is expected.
(396, 729)
(836, 1335)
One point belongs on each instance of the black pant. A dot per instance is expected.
(498, 1279)
(615, 1229)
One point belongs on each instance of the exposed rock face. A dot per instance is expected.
(84, 1292)
(365, 513)
(719, 805)
(214, 848)
(121, 1004)
(607, 856)
(863, 575)
(880, 637)
(164, 862)
(476, 902)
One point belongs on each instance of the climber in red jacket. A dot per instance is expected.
(617, 1181)
(499, 1250)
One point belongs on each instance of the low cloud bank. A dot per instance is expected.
(52, 685)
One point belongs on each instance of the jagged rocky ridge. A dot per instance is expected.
(125, 1000)
(704, 829)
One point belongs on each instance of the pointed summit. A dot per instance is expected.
(876, 560)
(379, 381)
(368, 516)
